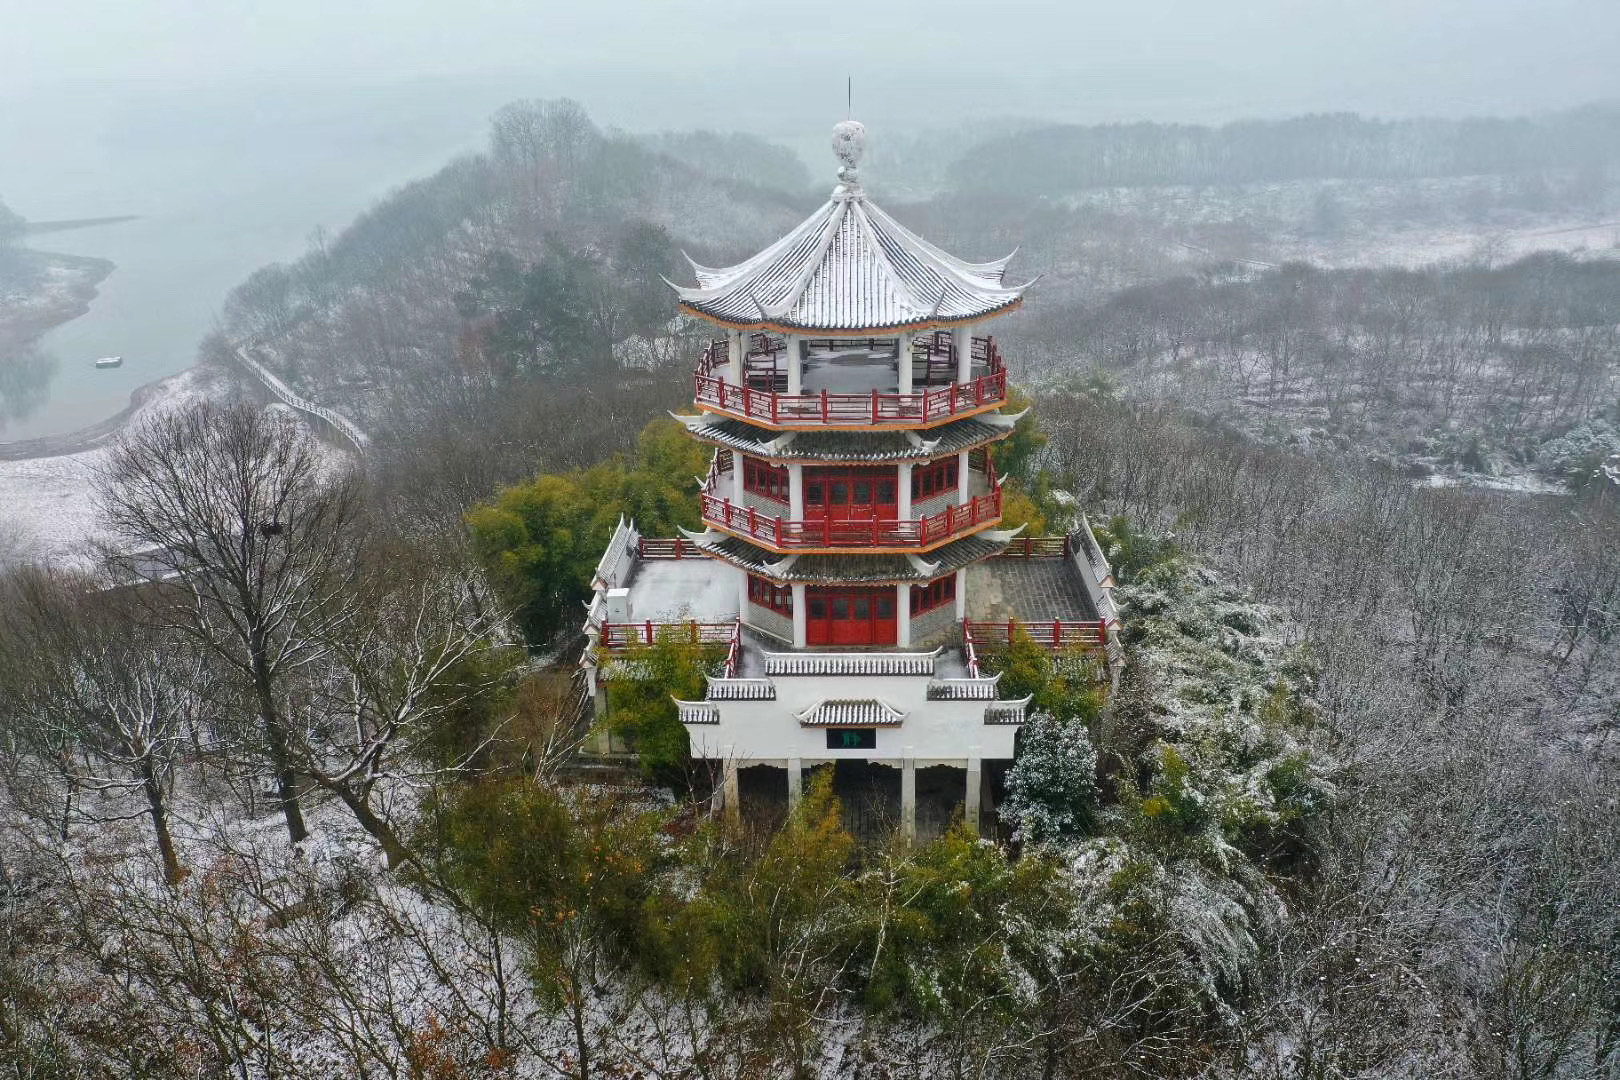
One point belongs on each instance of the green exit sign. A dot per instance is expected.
(852, 738)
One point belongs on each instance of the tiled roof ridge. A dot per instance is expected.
(851, 663)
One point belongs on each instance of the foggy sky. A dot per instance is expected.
(759, 64)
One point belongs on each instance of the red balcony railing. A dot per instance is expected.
(785, 534)
(617, 637)
(934, 404)
(1055, 635)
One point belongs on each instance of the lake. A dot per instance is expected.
(222, 183)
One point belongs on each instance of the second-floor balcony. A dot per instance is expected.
(852, 384)
(849, 524)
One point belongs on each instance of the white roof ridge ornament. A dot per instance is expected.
(922, 565)
(1006, 421)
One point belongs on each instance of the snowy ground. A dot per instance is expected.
(46, 509)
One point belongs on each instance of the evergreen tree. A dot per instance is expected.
(1052, 788)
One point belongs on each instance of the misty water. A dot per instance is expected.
(221, 184)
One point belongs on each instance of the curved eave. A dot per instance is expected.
(794, 453)
(783, 327)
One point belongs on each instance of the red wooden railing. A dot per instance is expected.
(1056, 634)
(654, 547)
(784, 533)
(616, 635)
(1038, 547)
(849, 410)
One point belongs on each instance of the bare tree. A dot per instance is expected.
(233, 505)
(97, 699)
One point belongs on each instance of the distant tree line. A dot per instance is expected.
(1465, 363)
(1050, 160)
(733, 156)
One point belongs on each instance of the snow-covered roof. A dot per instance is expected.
(697, 712)
(855, 568)
(851, 663)
(850, 267)
(841, 446)
(867, 712)
(1007, 712)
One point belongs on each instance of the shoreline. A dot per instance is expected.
(92, 435)
(74, 302)
(24, 331)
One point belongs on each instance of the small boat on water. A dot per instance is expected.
(110, 361)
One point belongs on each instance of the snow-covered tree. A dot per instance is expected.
(1052, 788)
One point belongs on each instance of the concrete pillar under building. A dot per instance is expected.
(902, 615)
(796, 492)
(733, 796)
(908, 799)
(964, 487)
(795, 367)
(736, 479)
(974, 795)
(736, 355)
(903, 492)
(961, 594)
(801, 618)
(795, 780)
(964, 353)
(902, 363)
(742, 594)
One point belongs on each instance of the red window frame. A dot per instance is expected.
(934, 478)
(769, 595)
(933, 595)
(766, 480)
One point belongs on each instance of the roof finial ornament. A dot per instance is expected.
(849, 143)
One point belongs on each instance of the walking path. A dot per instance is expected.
(345, 427)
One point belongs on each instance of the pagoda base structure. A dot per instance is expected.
(775, 711)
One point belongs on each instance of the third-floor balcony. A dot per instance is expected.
(852, 384)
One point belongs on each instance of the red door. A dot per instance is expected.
(844, 501)
(851, 617)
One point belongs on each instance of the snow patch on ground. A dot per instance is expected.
(47, 511)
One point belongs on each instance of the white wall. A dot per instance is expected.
(769, 731)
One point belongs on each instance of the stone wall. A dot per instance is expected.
(770, 622)
(934, 627)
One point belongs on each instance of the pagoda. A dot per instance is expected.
(852, 395)
(853, 401)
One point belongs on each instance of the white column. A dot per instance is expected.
(801, 618)
(736, 355)
(961, 594)
(733, 796)
(796, 492)
(903, 511)
(974, 794)
(742, 593)
(902, 362)
(795, 780)
(736, 479)
(964, 489)
(908, 799)
(795, 373)
(902, 615)
(964, 353)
